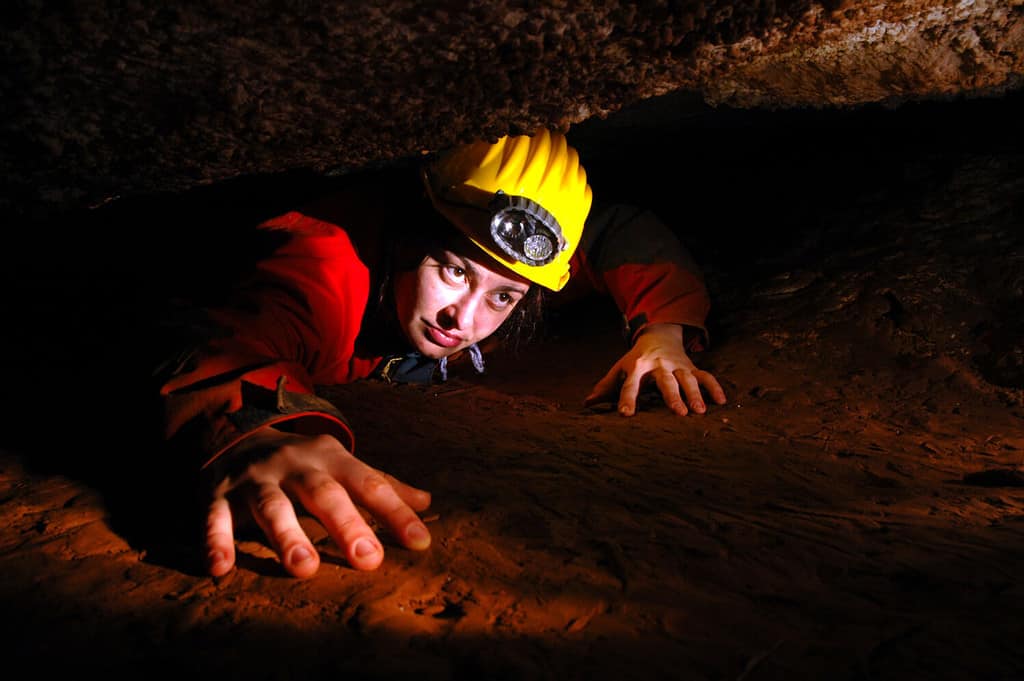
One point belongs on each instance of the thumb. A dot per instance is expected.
(605, 389)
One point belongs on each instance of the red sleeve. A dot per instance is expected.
(289, 327)
(630, 254)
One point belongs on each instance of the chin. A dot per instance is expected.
(434, 352)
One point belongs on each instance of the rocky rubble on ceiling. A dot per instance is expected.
(106, 99)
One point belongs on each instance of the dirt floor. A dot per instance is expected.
(856, 510)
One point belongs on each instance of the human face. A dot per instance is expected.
(451, 301)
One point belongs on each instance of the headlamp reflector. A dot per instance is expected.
(524, 230)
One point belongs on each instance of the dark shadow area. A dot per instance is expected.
(753, 193)
(94, 302)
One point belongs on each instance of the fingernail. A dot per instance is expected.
(364, 548)
(417, 533)
(699, 407)
(300, 555)
(215, 558)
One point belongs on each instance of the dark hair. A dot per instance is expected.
(433, 234)
(521, 327)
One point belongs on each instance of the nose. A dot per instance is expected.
(459, 314)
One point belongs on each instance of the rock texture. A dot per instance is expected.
(111, 99)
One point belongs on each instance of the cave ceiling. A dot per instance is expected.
(109, 99)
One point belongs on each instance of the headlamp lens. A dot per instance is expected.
(538, 247)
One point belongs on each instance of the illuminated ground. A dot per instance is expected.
(856, 511)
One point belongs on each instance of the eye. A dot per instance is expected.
(453, 273)
(503, 300)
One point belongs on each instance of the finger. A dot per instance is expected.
(275, 515)
(669, 388)
(220, 540)
(418, 499)
(325, 498)
(604, 388)
(692, 390)
(371, 490)
(713, 387)
(628, 394)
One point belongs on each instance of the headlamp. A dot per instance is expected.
(524, 230)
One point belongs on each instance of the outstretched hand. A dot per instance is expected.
(270, 469)
(659, 355)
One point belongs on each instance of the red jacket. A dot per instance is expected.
(296, 322)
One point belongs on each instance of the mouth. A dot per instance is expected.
(442, 338)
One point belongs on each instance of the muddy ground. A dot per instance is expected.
(856, 510)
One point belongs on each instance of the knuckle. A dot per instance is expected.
(322, 491)
(349, 523)
(288, 449)
(215, 538)
(374, 485)
(288, 538)
(270, 503)
(325, 441)
(214, 523)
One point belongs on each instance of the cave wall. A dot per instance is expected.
(104, 100)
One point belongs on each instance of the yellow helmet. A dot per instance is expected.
(522, 199)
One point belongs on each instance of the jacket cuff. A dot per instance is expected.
(294, 412)
(695, 336)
